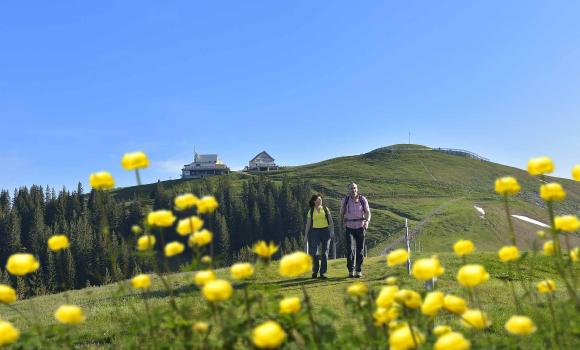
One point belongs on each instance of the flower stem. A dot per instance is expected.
(311, 318)
(509, 219)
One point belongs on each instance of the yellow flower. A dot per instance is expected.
(509, 253)
(387, 296)
(474, 318)
(383, 315)
(161, 218)
(265, 251)
(452, 341)
(8, 333)
(442, 330)
(567, 223)
(217, 290)
(241, 271)
(22, 264)
(174, 248)
(549, 248)
(397, 257)
(520, 325)
(409, 298)
(552, 192)
(540, 165)
(207, 205)
(7, 294)
(541, 234)
(574, 254)
(145, 242)
(134, 160)
(576, 172)
(206, 259)
(546, 286)
(392, 281)
(200, 327)
(463, 247)
(58, 242)
(434, 301)
(425, 269)
(141, 281)
(189, 225)
(201, 238)
(136, 229)
(507, 185)
(454, 304)
(185, 201)
(402, 339)
(295, 264)
(101, 181)
(290, 305)
(69, 314)
(357, 289)
(203, 277)
(268, 335)
(472, 275)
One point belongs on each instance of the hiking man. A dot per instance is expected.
(318, 232)
(355, 215)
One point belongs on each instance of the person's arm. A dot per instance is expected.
(367, 214)
(330, 224)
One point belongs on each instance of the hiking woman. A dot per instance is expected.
(318, 232)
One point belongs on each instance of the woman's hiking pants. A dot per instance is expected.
(355, 241)
(319, 236)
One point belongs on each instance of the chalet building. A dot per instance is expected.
(262, 162)
(204, 165)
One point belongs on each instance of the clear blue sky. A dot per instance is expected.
(82, 82)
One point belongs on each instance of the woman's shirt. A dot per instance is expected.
(319, 220)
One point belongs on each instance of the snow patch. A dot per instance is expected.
(480, 210)
(532, 221)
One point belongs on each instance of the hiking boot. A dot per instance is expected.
(358, 274)
(314, 275)
(323, 277)
(350, 274)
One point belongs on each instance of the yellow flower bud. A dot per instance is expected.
(397, 257)
(576, 172)
(189, 225)
(549, 248)
(201, 238)
(357, 289)
(200, 327)
(7, 294)
(425, 269)
(574, 254)
(509, 253)
(295, 264)
(475, 318)
(401, 338)
(174, 248)
(203, 277)
(185, 201)
(546, 286)
(566, 223)
(8, 333)
(386, 296)
(552, 192)
(442, 330)
(392, 281)
(136, 229)
(472, 275)
(101, 181)
(383, 315)
(452, 341)
(161, 218)
(134, 160)
(265, 251)
(507, 186)
(540, 165)
(145, 242)
(141, 281)
(241, 271)
(454, 304)
(409, 298)
(290, 305)
(218, 290)
(541, 234)
(207, 205)
(463, 247)
(22, 264)
(433, 303)
(520, 325)
(58, 242)
(268, 335)
(206, 259)
(69, 314)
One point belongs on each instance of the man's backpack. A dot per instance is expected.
(326, 213)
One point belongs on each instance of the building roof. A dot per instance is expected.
(262, 153)
(205, 158)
